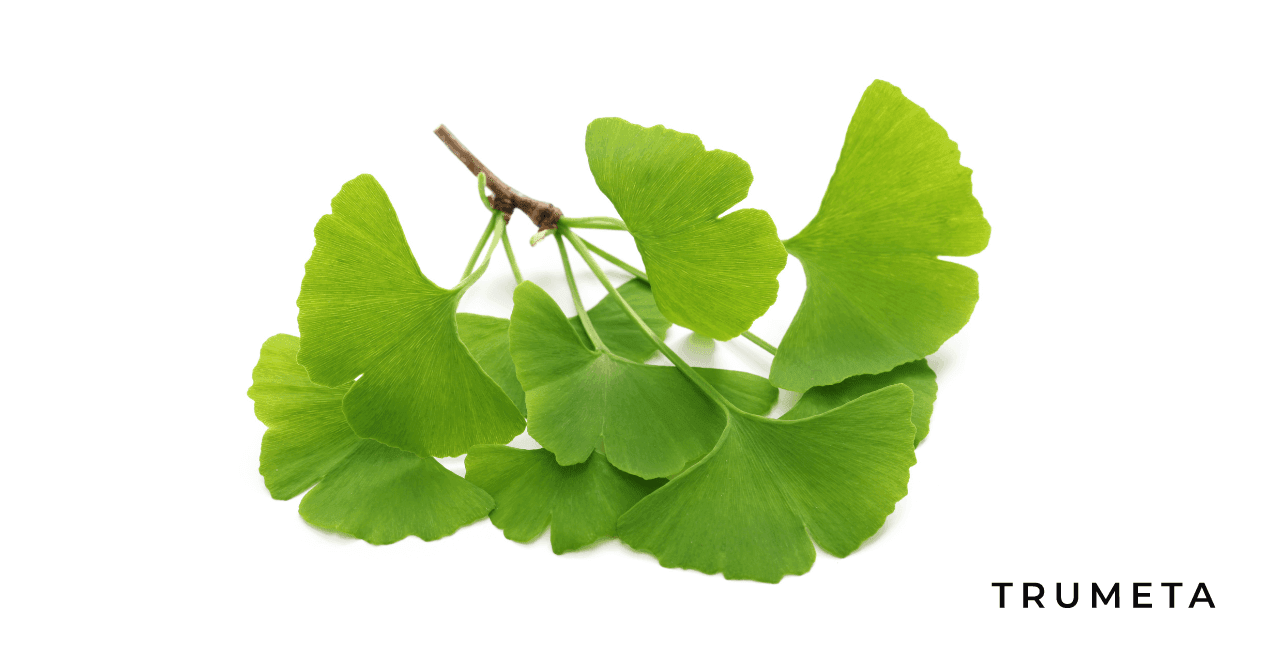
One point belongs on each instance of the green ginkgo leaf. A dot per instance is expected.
(751, 393)
(648, 420)
(876, 294)
(615, 327)
(713, 275)
(307, 435)
(368, 313)
(487, 340)
(382, 494)
(749, 508)
(532, 492)
(365, 489)
(917, 375)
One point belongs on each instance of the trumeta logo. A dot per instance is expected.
(1142, 595)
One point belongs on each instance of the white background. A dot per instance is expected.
(1103, 418)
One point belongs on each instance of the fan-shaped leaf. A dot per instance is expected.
(368, 313)
(487, 340)
(714, 275)
(877, 295)
(748, 509)
(750, 393)
(382, 494)
(365, 489)
(648, 420)
(917, 375)
(581, 502)
(307, 435)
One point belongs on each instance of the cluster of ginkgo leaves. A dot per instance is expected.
(676, 461)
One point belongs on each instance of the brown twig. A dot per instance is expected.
(506, 199)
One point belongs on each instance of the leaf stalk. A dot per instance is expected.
(600, 222)
(512, 259)
(640, 274)
(760, 343)
(676, 360)
(477, 251)
(472, 277)
(597, 342)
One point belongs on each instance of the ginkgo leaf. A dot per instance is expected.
(876, 294)
(532, 492)
(648, 420)
(713, 275)
(487, 340)
(917, 375)
(365, 489)
(750, 393)
(749, 508)
(615, 327)
(368, 313)
(307, 435)
(382, 495)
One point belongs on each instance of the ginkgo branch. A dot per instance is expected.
(505, 198)
(546, 217)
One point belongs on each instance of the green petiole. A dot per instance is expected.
(471, 275)
(512, 260)
(539, 235)
(640, 274)
(684, 367)
(477, 251)
(595, 222)
(636, 272)
(598, 222)
(481, 191)
(574, 294)
(760, 343)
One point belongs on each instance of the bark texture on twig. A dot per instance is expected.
(506, 199)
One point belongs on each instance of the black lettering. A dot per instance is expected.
(1171, 593)
(1001, 587)
(1096, 594)
(1072, 604)
(1026, 597)
(1137, 595)
(1201, 594)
